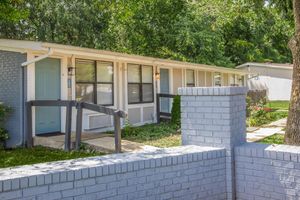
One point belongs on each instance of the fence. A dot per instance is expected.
(189, 172)
(117, 114)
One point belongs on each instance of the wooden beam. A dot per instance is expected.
(78, 125)
(29, 139)
(166, 95)
(52, 103)
(117, 130)
(68, 127)
(157, 108)
(102, 109)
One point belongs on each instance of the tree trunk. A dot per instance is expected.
(292, 135)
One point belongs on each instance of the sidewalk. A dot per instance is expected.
(266, 130)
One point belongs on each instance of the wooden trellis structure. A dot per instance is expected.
(117, 115)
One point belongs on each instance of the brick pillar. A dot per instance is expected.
(215, 116)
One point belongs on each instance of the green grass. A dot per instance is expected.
(38, 154)
(159, 135)
(273, 139)
(278, 105)
(169, 141)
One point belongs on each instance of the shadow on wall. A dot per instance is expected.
(257, 84)
(267, 171)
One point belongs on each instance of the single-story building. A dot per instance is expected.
(46, 71)
(275, 78)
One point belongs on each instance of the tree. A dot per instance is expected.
(9, 10)
(225, 33)
(292, 135)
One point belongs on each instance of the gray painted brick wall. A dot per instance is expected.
(267, 171)
(187, 172)
(220, 165)
(11, 92)
(215, 116)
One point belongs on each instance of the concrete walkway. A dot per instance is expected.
(256, 134)
(97, 141)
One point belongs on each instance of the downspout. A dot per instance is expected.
(24, 89)
(50, 52)
(24, 100)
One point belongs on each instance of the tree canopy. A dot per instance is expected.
(225, 33)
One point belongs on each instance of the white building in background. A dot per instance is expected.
(273, 77)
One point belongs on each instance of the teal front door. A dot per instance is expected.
(164, 89)
(47, 87)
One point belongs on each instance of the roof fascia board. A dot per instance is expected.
(43, 47)
(262, 65)
(13, 49)
(147, 60)
(21, 45)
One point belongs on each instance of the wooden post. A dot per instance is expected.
(78, 125)
(117, 126)
(68, 127)
(157, 108)
(29, 140)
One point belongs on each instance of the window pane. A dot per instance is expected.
(85, 92)
(147, 92)
(232, 80)
(104, 72)
(133, 93)
(104, 94)
(147, 74)
(190, 78)
(236, 79)
(241, 80)
(217, 79)
(85, 71)
(133, 73)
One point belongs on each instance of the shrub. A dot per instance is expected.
(3, 135)
(259, 114)
(4, 113)
(248, 106)
(175, 112)
(262, 117)
(257, 97)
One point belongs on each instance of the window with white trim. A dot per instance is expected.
(140, 83)
(232, 80)
(241, 80)
(190, 78)
(94, 82)
(217, 79)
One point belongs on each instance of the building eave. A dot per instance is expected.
(42, 47)
(266, 65)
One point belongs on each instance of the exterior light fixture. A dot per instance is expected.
(157, 75)
(70, 71)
